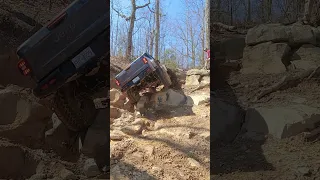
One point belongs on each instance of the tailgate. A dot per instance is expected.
(135, 68)
(49, 47)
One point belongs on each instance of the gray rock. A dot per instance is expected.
(117, 135)
(265, 58)
(201, 72)
(294, 34)
(193, 162)
(205, 80)
(301, 34)
(281, 122)
(132, 129)
(199, 99)
(90, 168)
(66, 174)
(192, 80)
(305, 65)
(267, 32)
(167, 99)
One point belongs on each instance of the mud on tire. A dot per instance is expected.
(76, 110)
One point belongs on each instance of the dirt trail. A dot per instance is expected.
(169, 143)
(178, 148)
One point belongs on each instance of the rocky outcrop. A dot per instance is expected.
(276, 48)
(196, 77)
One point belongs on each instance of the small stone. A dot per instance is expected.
(90, 168)
(305, 171)
(149, 149)
(156, 170)
(115, 174)
(191, 134)
(132, 129)
(244, 148)
(193, 162)
(138, 121)
(116, 135)
(205, 135)
(66, 174)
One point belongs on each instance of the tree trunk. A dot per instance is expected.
(131, 28)
(157, 30)
(207, 20)
(203, 39)
(269, 8)
(249, 11)
(231, 12)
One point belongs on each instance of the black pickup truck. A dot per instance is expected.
(145, 72)
(66, 59)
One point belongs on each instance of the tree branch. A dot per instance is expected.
(127, 18)
(147, 4)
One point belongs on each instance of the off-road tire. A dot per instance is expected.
(175, 83)
(66, 103)
(133, 95)
(165, 78)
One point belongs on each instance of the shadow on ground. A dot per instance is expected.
(235, 155)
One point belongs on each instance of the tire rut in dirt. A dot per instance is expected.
(65, 105)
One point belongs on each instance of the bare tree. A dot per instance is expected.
(157, 14)
(132, 19)
(249, 11)
(207, 20)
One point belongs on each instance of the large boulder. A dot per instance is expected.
(294, 34)
(268, 58)
(201, 72)
(306, 57)
(169, 98)
(226, 120)
(281, 121)
(301, 34)
(16, 107)
(196, 76)
(265, 33)
(192, 80)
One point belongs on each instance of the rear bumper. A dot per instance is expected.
(66, 70)
(141, 75)
(61, 76)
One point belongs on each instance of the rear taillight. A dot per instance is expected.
(46, 86)
(56, 21)
(23, 67)
(117, 82)
(145, 60)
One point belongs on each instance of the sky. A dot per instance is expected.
(174, 11)
(172, 8)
